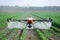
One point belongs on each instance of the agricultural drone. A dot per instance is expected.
(29, 23)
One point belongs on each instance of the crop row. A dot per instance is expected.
(49, 32)
(44, 18)
(22, 36)
(55, 28)
(41, 35)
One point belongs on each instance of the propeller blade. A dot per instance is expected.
(42, 25)
(16, 24)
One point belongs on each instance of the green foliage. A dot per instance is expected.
(49, 14)
(55, 28)
(41, 35)
(22, 37)
(48, 33)
(55, 15)
(58, 34)
(18, 15)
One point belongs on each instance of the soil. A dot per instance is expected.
(31, 35)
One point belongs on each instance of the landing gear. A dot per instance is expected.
(29, 26)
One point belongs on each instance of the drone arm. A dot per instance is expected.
(14, 20)
(19, 20)
(44, 20)
(40, 20)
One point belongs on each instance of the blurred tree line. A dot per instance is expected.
(18, 8)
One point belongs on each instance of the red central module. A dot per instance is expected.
(30, 20)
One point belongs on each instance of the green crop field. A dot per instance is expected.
(15, 34)
(54, 15)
